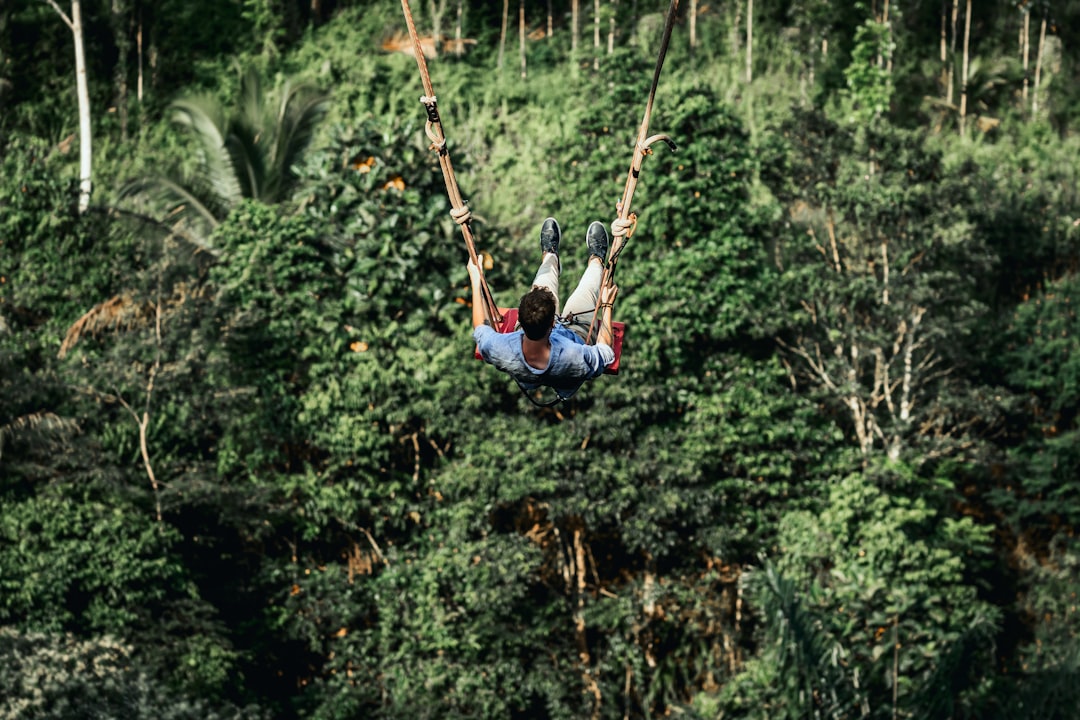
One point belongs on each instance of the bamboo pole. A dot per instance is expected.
(434, 129)
(623, 225)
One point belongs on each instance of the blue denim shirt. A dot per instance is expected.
(572, 362)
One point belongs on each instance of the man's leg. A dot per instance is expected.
(582, 303)
(547, 276)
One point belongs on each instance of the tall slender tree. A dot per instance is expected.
(1038, 66)
(121, 25)
(1025, 47)
(502, 34)
(596, 34)
(575, 24)
(964, 70)
(521, 38)
(749, 41)
(86, 156)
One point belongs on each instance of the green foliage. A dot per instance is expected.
(1046, 682)
(869, 81)
(69, 564)
(879, 265)
(248, 152)
(61, 677)
(1043, 364)
(871, 597)
(357, 519)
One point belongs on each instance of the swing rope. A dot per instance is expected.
(459, 210)
(622, 228)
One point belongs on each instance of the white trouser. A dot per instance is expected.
(581, 306)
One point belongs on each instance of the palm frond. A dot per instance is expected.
(206, 120)
(248, 151)
(40, 428)
(252, 100)
(177, 229)
(808, 654)
(181, 204)
(120, 312)
(300, 110)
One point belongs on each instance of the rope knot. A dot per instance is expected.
(462, 215)
(624, 228)
(438, 144)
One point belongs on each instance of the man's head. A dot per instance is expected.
(536, 313)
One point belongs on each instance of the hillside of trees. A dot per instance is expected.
(249, 468)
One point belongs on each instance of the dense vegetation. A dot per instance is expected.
(248, 468)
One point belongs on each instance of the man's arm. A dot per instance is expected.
(607, 300)
(478, 318)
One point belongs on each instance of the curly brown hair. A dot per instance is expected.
(536, 313)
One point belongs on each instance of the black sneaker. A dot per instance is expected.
(597, 240)
(549, 236)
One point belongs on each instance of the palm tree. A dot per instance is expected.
(988, 91)
(246, 152)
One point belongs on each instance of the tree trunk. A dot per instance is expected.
(120, 73)
(735, 30)
(1025, 48)
(964, 70)
(1038, 67)
(550, 20)
(437, 9)
(611, 30)
(944, 47)
(502, 34)
(885, 20)
(575, 24)
(521, 36)
(139, 53)
(749, 41)
(596, 34)
(952, 52)
(85, 149)
(82, 91)
(459, 46)
(693, 26)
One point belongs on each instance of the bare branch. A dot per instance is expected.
(832, 241)
(63, 15)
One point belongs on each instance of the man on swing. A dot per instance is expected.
(549, 350)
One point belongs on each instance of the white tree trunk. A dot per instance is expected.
(693, 25)
(1038, 67)
(964, 70)
(86, 155)
(944, 49)
(749, 41)
(82, 91)
(952, 52)
(459, 46)
(1025, 48)
(437, 9)
(575, 24)
(611, 30)
(596, 34)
